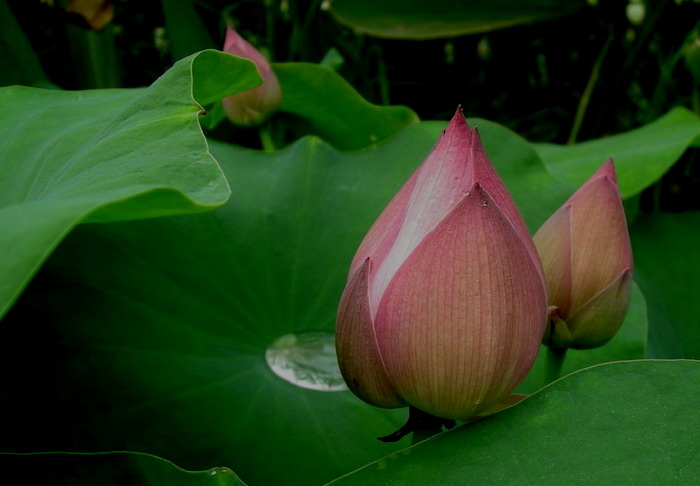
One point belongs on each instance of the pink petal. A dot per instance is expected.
(461, 321)
(606, 170)
(599, 239)
(553, 242)
(455, 163)
(356, 345)
(251, 107)
(382, 234)
(596, 322)
(487, 177)
(238, 46)
(440, 182)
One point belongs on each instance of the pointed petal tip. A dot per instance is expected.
(477, 191)
(458, 121)
(232, 39)
(481, 194)
(606, 170)
(235, 44)
(603, 181)
(476, 137)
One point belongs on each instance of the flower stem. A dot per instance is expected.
(422, 424)
(588, 91)
(553, 364)
(266, 137)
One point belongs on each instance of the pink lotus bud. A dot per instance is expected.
(251, 107)
(587, 261)
(445, 305)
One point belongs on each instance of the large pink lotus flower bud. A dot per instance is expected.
(587, 261)
(445, 305)
(251, 107)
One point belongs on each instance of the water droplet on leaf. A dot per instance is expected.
(306, 359)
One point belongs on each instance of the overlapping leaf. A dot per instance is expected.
(111, 155)
(429, 19)
(667, 254)
(626, 423)
(108, 469)
(641, 156)
(327, 106)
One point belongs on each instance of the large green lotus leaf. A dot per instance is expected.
(152, 335)
(641, 156)
(109, 155)
(153, 339)
(330, 107)
(629, 343)
(430, 19)
(625, 423)
(667, 258)
(108, 469)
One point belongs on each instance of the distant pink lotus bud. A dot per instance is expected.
(445, 305)
(251, 107)
(587, 261)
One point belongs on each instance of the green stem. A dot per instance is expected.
(553, 364)
(265, 132)
(382, 77)
(94, 57)
(588, 91)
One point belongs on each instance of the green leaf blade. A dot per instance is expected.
(637, 425)
(667, 259)
(109, 469)
(641, 156)
(332, 109)
(106, 156)
(431, 19)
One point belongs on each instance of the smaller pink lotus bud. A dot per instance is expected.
(587, 260)
(251, 107)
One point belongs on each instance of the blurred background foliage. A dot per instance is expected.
(552, 71)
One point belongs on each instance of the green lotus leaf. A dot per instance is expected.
(68, 157)
(625, 423)
(324, 104)
(667, 259)
(641, 156)
(430, 19)
(108, 469)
